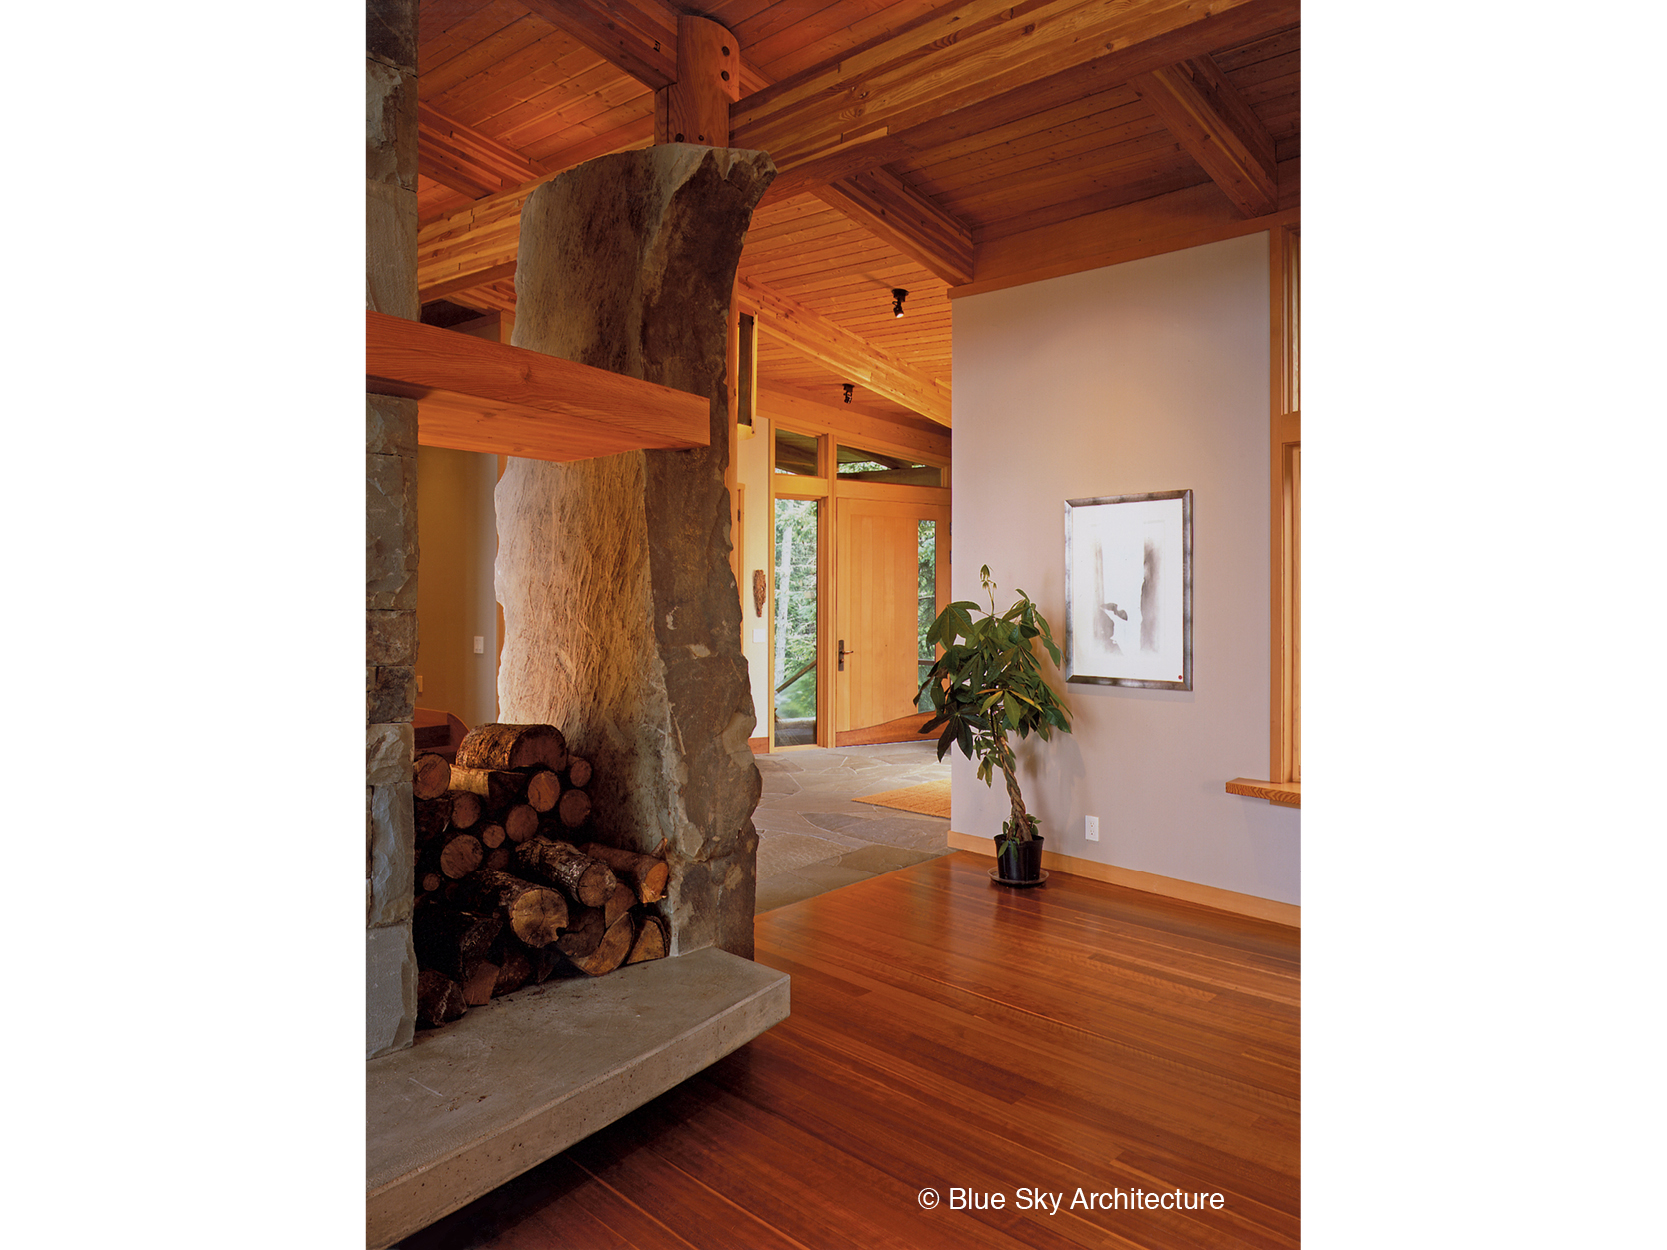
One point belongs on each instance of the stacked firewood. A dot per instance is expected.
(510, 891)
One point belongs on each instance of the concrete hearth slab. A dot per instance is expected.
(511, 1084)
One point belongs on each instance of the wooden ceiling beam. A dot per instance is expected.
(854, 360)
(1209, 118)
(889, 208)
(475, 395)
(460, 157)
(970, 67)
(474, 244)
(639, 37)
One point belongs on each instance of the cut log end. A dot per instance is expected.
(430, 776)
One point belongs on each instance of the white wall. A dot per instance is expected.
(1146, 376)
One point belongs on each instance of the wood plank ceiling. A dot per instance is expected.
(909, 133)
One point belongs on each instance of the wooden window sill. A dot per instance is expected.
(1285, 793)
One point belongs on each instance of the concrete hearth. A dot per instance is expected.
(513, 1083)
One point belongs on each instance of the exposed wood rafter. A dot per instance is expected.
(911, 222)
(472, 245)
(467, 161)
(1194, 100)
(637, 36)
(975, 65)
(812, 334)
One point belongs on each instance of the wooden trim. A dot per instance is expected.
(759, 746)
(825, 623)
(1152, 883)
(1284, 793)
(794, 410)
(476, 395)
(1284, 510)
(808, 332)
(1164, 223)
(883, 492)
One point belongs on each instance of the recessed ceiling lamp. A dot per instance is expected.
(898, 295)
(849, 387)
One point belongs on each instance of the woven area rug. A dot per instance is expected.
(931, 799)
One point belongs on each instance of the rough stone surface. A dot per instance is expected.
(391, 532)
(390, 426)
(393, 853)
(391, 638)
(390, 125)
(390, 694)
(388, 754)
(622, 619)
(391, 250)
(390, 529)
(391, 32)
(390, 989)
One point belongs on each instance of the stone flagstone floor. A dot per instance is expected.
(814, 837)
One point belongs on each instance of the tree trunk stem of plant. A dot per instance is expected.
(1004, 753)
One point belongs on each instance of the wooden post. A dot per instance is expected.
(695, 108)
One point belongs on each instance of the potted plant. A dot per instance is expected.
(986, 684)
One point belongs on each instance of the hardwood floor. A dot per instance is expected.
(953, 1034)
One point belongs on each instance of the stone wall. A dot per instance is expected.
(622, 620)
(390, 530)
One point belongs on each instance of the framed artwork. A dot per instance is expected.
(1128, 590)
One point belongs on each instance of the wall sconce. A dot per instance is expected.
(898, 295)
(849, 387)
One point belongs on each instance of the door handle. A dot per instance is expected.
(842, 654)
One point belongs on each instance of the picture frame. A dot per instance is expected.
(1128, 590)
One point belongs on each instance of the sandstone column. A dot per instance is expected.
(390, 530)
(622, 620)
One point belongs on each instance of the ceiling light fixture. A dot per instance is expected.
(898, 295)
(849, 387)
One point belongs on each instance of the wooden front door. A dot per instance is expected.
(877, 593)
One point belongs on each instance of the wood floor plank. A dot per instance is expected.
(953, 1034)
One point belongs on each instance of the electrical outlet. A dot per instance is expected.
(480, 645)
(1091, 828)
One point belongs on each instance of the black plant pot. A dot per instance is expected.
(1020, 861)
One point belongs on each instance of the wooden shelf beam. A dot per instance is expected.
(1211, 120)
(476, 395)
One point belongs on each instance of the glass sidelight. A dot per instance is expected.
(798, 524)
(927, 597)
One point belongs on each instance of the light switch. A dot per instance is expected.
(480, 645)
(419, 683)
(758, 635)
